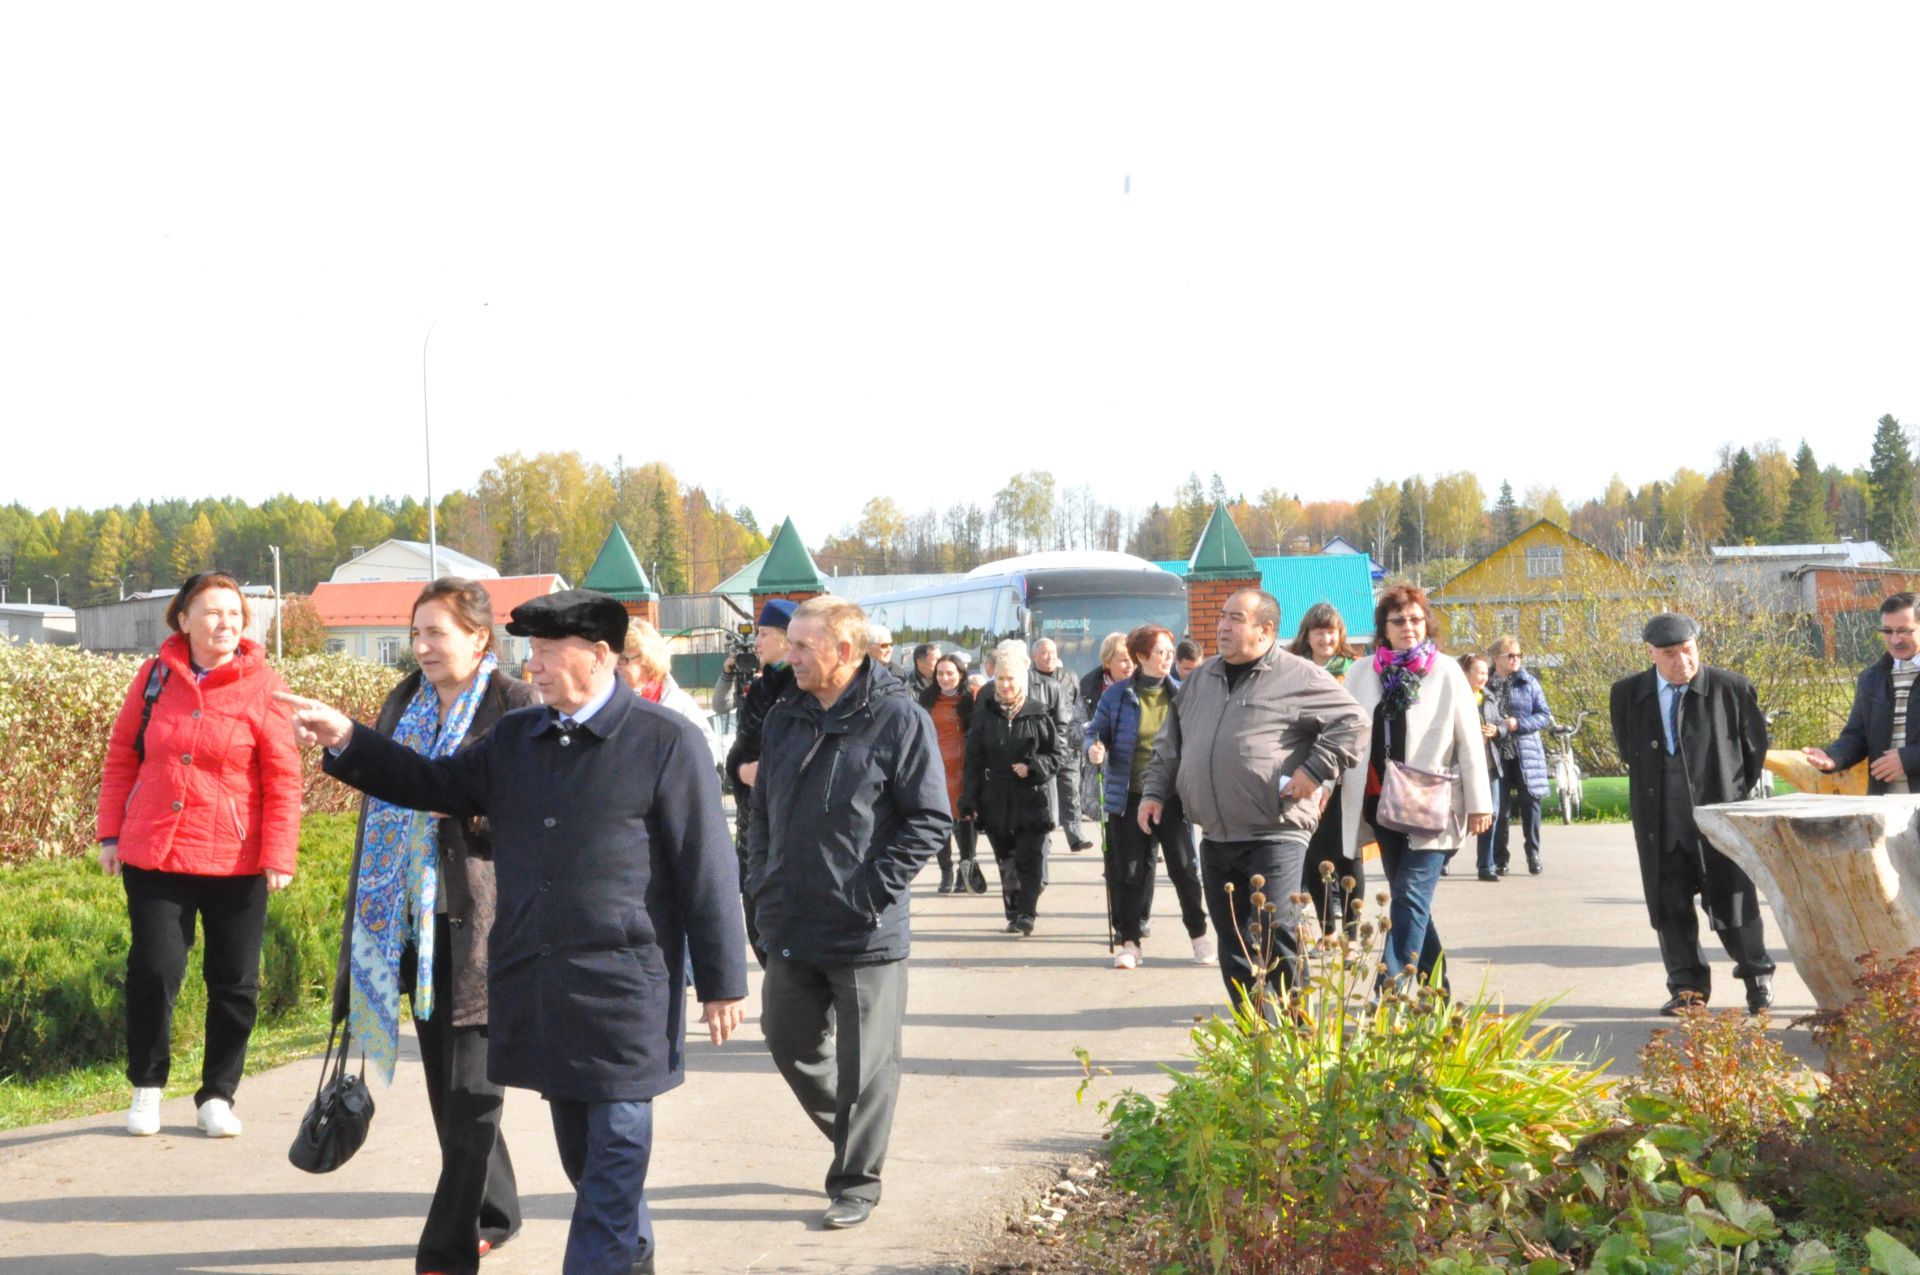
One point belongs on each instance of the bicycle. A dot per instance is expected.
(1565, 770)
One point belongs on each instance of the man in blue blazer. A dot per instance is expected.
(611, 858)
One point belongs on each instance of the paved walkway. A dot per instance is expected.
(986, 1113)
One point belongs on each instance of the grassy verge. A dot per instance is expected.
(63, 944)
(89, 1091)
(1605, 800)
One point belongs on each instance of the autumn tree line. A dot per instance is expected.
(525, 515)
(551, 512)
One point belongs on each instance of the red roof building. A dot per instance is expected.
(371, 619)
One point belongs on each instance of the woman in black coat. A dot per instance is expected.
(476, 1204)
(1015, 745)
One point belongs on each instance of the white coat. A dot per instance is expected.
(1443, 734)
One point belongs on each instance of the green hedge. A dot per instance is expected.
(63, 955)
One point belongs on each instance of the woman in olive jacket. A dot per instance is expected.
(1015, 746)
(476, 1203)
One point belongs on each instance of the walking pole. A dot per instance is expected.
(1106, 864)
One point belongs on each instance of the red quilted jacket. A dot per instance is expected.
(219, 792)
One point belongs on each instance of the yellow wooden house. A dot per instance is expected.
(1538, 585)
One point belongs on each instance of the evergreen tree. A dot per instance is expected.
(1890, 515)
(1746, 501)
(142, 551)
(1506, 514)
(109, 556)
(1806, 521)
(1412, 535)
(193, 551)
(669, 568)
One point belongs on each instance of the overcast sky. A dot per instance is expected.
(809, 254)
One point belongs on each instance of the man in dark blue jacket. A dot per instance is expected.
(1880, 729)
(611, 857)
(849, 803)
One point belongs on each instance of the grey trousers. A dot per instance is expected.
(834, 1033)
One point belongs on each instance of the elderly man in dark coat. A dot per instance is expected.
(850, 803)
(1692, 735)
(611, 857)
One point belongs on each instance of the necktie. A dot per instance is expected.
(1673, 720)
(568, 725)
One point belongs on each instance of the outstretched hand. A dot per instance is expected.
(1819, 758)
(316, 723)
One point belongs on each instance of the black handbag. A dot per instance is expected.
(336, 1122)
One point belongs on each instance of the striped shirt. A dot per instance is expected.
(1902, 684)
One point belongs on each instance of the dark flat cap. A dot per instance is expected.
(581, 613)
(1669, 628)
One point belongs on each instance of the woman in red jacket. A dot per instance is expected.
(200, 816)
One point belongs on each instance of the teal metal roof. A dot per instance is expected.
(1299, 582)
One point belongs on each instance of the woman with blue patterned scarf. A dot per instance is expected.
(420, 903)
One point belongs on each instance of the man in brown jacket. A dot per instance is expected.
(1257, 737)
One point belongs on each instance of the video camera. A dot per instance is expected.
(746, 664)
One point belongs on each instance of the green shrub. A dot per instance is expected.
(1338, 1131)
(57, 706)
(1858, 1161)
(63, 954)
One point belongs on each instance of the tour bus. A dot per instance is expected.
(1075, 597)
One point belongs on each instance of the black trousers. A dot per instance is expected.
(1131, 875)
(1513, 795)
(1022, 860)
(161, 909)
(476, 1197)
(834, 1033)
(966, 835)
(1679, 931)
(1255, 947)
(1330, 897)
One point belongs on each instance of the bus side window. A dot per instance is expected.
(973, 626)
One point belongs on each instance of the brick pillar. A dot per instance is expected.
(1204, 600)
(649, 610)
(795, 596)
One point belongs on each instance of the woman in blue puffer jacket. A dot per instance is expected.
(1522, 715)
(1128, 718)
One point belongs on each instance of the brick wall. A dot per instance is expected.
(799, 596)
(1205, 598)
(648, 610)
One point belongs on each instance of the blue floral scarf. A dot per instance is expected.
(398, 884)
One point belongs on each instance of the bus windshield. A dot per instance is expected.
(1077, 623)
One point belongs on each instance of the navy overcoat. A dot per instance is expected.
(610, 850)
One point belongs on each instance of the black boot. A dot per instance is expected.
(946, 879)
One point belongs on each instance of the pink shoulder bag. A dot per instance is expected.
(1413, 801)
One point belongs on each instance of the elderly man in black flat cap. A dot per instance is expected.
(611, 853)
(1692, 735)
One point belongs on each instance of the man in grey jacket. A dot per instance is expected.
(1046, 663)
(1256, 740)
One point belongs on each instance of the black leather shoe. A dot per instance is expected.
(1533, 865)
(1078, 846)
(845, 1212)
(1681, 1000)
(1023, 925)
(1489, 876)
(1502, 870)
(1759, 995)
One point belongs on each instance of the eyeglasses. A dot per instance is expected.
(1406, 621)
(1898, 632)
(883, 646)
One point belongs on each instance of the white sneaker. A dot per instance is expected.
(1205, 951)
(1128, 957)
(217, 1119)
(143, 1116)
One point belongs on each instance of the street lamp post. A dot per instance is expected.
(426, 429)
(279, 609)
(56, 584)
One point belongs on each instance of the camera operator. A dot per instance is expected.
(743, 759)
